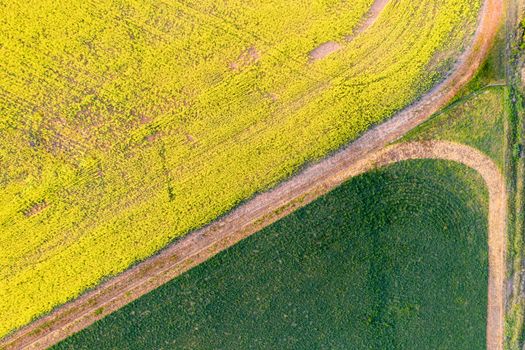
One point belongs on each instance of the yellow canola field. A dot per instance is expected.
(126, 124)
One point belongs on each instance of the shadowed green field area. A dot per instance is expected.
(393, 259)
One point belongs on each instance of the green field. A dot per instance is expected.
(477, 120)
(393, 259)
(126, 124)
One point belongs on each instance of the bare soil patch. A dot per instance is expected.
(246, 58)
(330, 47)
(370, 18)
(35, 208)
(324, 50)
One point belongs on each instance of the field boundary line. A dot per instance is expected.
(257, 213)
(196, 251)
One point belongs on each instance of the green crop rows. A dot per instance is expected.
(393, 259)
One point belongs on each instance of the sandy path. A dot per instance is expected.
(495, 183)
(369, 19)
(258, 212)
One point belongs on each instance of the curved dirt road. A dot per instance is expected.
(262, 211)
(368, 20)
(201, 248)
(497, 216)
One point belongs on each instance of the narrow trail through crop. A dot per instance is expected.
(369, 19)
(285, 198)
(371, 16)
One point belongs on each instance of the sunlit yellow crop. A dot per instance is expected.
(126, 124)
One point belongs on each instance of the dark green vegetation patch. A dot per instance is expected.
(393, 259)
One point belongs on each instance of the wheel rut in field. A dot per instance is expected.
(369, 19)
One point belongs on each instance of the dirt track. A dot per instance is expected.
(368, 20)
(292, 194)
(497, 217)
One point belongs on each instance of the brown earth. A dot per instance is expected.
(369, 19)
(246, 58)
(277, 203)
(324, 50)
